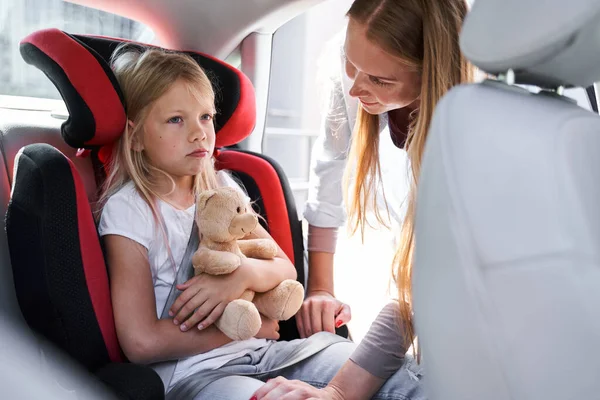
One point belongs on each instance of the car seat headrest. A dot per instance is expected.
(548, 44)
(79, 68)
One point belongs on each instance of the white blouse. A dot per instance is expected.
(325, 206)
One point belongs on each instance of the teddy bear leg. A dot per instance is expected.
(240, 320)
(282, 302)
(264, 249)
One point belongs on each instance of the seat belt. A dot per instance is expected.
(185, 272)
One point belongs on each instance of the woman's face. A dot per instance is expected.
(381, 81)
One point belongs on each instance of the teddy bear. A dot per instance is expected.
(224, 217)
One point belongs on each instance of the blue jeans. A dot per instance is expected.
(317, 370)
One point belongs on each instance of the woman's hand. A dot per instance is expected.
(269, 328)
(208, 295)
(321, 312)
(293, 390)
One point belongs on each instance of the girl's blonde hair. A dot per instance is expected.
(423, 34)
(144, 75)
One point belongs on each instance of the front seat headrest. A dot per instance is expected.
(78, 66)
(557, 42)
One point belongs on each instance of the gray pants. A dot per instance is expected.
(316, 370)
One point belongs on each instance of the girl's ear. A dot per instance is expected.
(136, 143)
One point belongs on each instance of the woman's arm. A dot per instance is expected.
(142, 336)
(353, 382)
(321, 251)
(321, 311)
(324, 211)
(350, 383)
(378, 356)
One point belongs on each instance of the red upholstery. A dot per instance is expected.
(88, 78)
(270, 187)
(78, 66)
(94, 269)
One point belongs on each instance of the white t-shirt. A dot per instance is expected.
(127, 214)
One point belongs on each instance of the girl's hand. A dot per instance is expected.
(208, 295)
(293, 390)
(321, 312)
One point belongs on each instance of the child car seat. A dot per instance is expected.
(59, 272)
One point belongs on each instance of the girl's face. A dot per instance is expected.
(178, 135)
(381, 81)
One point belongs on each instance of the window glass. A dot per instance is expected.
(19, 18)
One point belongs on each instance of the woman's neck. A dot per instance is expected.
(181, 196)
(399, 123)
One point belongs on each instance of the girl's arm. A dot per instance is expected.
(142, 336)
(263, 275)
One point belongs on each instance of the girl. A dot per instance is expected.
(400, 58)
(158, 167)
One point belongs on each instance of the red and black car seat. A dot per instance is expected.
(59, 270)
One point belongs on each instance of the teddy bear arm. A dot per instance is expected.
(258, 248)
(215, 262)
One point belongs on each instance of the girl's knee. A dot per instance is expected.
(338, 352)
(230, 388)
(319, 369)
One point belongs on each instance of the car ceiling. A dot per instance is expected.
(215, 27)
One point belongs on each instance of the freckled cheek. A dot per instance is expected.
(211, 139)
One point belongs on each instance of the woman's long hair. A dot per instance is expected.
(423, 34)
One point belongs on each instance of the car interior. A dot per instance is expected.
(507, 199)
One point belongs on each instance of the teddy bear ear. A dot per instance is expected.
(204, 197)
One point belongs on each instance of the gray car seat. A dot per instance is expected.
(507, 271)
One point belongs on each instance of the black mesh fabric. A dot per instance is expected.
(43, 238)
(132, 381)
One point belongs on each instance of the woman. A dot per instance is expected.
(401, 58)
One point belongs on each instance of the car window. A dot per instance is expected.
(296, 90)
(18, 18)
